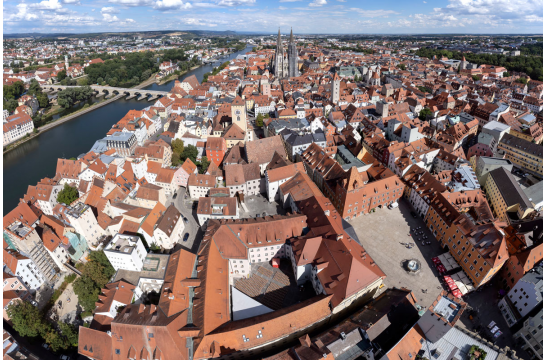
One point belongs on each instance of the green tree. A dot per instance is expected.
(175, 159)
(177, 145)
(259, 120)
(95, 271)
(475, 77)
(424, 113)
(402, 66)
(67, 195)
(27, 319)
(506, 74)
(203, 166)
(14, 90)
(100, 257)
(11, 105)
(190, 152)
(522, 80)
(55, 340)
(87, 292)
(43, 100)
(70, 332)
(61, 75)
(100, 80)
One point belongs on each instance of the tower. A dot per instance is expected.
(279, 58)
(335, 88)
(66, 62)
(463, 63)
(292, 57)
(238, 113)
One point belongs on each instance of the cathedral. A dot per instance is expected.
(285, 64)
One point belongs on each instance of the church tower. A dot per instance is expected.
(279, 59)
(238, 113)
(335, 89)
(66, 62)
(293, 70)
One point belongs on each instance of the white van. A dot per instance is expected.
(393, 206)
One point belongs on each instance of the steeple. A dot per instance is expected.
(291, 36)
(278, 41)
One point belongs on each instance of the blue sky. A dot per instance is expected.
(305, 16)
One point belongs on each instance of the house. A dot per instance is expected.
(277, 176)
(181, 176)
(199, 185)
(217, 207)
(170, 228)
(525, 295)
(216, 147)
(126, 252)
(148, 195)
(165, 179)
(522, 153)
(243, 179)
(261, 151)
(17, 126)
(112, 298)
(23, 268)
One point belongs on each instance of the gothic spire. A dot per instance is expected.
(278, 41)
(291, 36)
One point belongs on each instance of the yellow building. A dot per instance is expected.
(506, 197)
(523, 154)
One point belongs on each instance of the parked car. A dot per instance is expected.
(186, 236)
(414, 214)
(45, 346)
(65, 357)
(185, 219)
(33, 302)
(393, 205)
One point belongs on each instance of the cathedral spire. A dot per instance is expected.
(279, 40)
(291, 36)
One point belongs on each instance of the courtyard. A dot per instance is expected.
(259, 206)
(381, 234)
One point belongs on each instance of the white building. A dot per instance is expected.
(531, 335)
(24, 268)
(82, 218)
(126, 252)
(170, 228)
(525, 295)
(16, 127)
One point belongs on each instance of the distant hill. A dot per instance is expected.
(131, 33)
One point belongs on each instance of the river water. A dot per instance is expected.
(37, 158)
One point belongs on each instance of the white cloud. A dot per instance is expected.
(374, 13)
(93, 9)
(22, 14)
(341, 0)
(425, 2)
(289, 0)
(282, 8)
(110, 18)
(72, 2)
(171, 5)
(132, 3)
(109, 10)
(47, 5)
(318, 3)
(231, 3)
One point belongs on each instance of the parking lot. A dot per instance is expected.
(381, 234)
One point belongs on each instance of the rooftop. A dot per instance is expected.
(122, 243)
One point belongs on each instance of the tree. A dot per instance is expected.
(61, 75)
(506, 74)
(95, 271)
(55, 340)
(11, 105)
(27, 319)
(43, 100)
(190, 152)
(100, 257)
(522, 80)
(475, 77)
(175, 159)
(259, 120)
(69, 332)
(177, 145)
(100, 80)
(67, 195)
(87, 292)
(203, 166)
(402, 66)
(424, 113)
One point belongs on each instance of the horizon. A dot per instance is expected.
(316, 17)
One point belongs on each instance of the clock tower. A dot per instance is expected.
(238, 113)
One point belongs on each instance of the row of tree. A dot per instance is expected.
(68, 97)
(14, 91)
(531, 65)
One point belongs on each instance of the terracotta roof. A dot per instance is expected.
(148, 192)
(119, 291)
(261, 151)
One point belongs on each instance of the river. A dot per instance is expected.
(37, 158)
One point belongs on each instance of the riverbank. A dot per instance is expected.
(72, 116)
(171, 77)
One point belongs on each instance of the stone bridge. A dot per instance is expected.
(103, 90)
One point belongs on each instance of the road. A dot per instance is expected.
(32, 345)
(192, 227)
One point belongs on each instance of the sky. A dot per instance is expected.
(305, 16)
